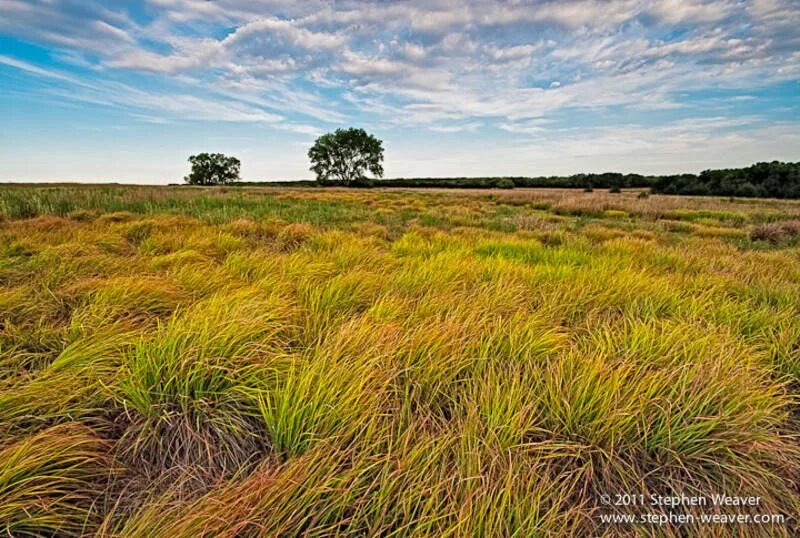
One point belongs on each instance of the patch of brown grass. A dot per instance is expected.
(776, 232)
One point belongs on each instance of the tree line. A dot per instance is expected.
(609, 180)
(345, 157)
(772, 180)
(761, 180)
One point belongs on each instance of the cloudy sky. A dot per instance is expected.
(125, 91)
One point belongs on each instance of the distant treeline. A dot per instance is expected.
(771, 180)
(606, 180)
(774, 180)
(602, 181)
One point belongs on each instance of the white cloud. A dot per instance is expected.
(457, 128)
(36, 70)
(144, 60)
(510, 54)
(693, 11)
(285, 33)
(449, 66)
(486, 55)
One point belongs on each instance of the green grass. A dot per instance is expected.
(260, 362)
(49, 482)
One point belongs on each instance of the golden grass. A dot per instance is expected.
(252, 362)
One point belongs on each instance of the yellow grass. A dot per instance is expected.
(254, 362)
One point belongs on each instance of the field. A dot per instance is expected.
(182, 362)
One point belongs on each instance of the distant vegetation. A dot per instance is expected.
(606, 180)
(773, 180)
(601, 181)
(343, 158)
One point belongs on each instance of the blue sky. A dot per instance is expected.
(125, 91)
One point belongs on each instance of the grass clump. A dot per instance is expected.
(187, 390)
(776, 232)
(48, 481)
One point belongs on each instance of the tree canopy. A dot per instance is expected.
(213, 169)
(774, 179)
(346, 155)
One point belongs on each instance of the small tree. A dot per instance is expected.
(345, 155)
(213, 169)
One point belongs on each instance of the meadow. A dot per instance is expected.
(182, 362)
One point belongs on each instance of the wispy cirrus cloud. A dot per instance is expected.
(403, 49)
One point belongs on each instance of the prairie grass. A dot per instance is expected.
(185, 362)
(49, 482)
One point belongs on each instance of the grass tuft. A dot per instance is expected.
(48, 480)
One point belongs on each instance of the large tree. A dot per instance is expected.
(346, 155)
(213, 169)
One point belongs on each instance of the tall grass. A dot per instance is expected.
(187, 388)
(49, 482)
(202, 362)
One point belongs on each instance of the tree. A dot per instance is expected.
(213, 169)
(345, 155)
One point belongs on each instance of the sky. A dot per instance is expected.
(125, 91)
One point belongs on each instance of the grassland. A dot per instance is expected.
(184, 362)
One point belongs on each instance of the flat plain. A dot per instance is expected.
(180, 361)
